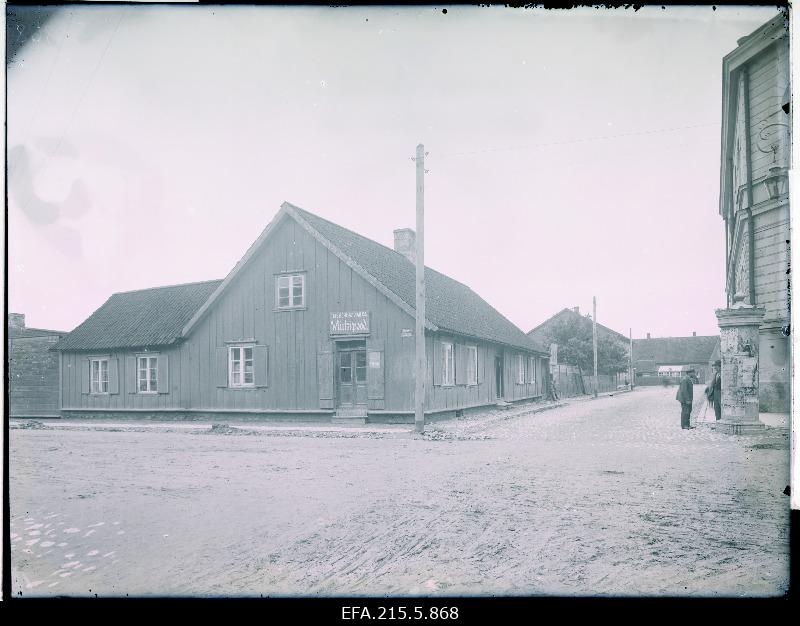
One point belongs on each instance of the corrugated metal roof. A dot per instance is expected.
(449, 304)
(136, 319)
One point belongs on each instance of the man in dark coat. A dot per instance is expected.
(685, 396)
(716, 389)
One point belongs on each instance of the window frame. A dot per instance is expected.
(532, 365)
(472, 365)
(241, 347)
(148, 357)
(448, 381)
(290, 276)
(520, 369)
(99, 360)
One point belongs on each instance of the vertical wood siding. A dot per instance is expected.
(246, 312)
(772, 262)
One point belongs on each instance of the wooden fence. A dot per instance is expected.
(571, 382)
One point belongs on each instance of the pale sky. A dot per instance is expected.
(572, 153)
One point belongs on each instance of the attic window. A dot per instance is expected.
(290, 291)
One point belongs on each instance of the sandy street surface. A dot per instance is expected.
(605, 496)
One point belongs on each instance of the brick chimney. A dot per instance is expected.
(694, 333)
(16, 320)
(405, 240)
(577, 309)
(648, 335)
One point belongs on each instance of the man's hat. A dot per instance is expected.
(689, 369)
(718, 363)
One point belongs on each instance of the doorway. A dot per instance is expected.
(351, 373)
(498, 376)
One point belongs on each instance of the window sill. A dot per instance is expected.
(100, 393)
(246, 388)
(146, 393)
(289, 308)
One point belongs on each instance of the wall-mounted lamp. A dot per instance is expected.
(775, 182)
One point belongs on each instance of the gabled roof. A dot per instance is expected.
(138, 319)
(163, 315)
(540, 331)
(449, 304)
(675, 350)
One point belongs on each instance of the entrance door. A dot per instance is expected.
(498, 376)
(351, 373)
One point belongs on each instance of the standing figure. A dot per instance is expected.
(552, 388)
(685, 396)
(716, 389)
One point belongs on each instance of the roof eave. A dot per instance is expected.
(755, 43)
(200, 313)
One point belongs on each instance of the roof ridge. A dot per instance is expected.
(382, 245)
(199, 282)
(570, 311)
(513, 334)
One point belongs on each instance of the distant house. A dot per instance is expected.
(314, 320)
(544, 330)
(33, 389)
(572, 369)
(669, 357)
(754, 195)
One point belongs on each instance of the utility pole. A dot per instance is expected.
(594, 340)
(420, 366)
(630, 356)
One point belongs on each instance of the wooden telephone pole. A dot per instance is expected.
(420, 360)
(630, 355)
(594, 340)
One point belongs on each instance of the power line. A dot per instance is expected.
(80, 100)
(583, 140)
(37, 109)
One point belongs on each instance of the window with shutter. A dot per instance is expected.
(241, 366)
(448, 364)
(147, 374)
(98, 372)
(472, 365)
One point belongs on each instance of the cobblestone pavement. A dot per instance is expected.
(605, 496)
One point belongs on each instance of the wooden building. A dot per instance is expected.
(754, 198)
(314, 321)
(32, 369)
(659, 358)
(573, 318)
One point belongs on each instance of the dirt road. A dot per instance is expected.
(604, 496)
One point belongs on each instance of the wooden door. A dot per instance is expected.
(498, 376)
(351, 374)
